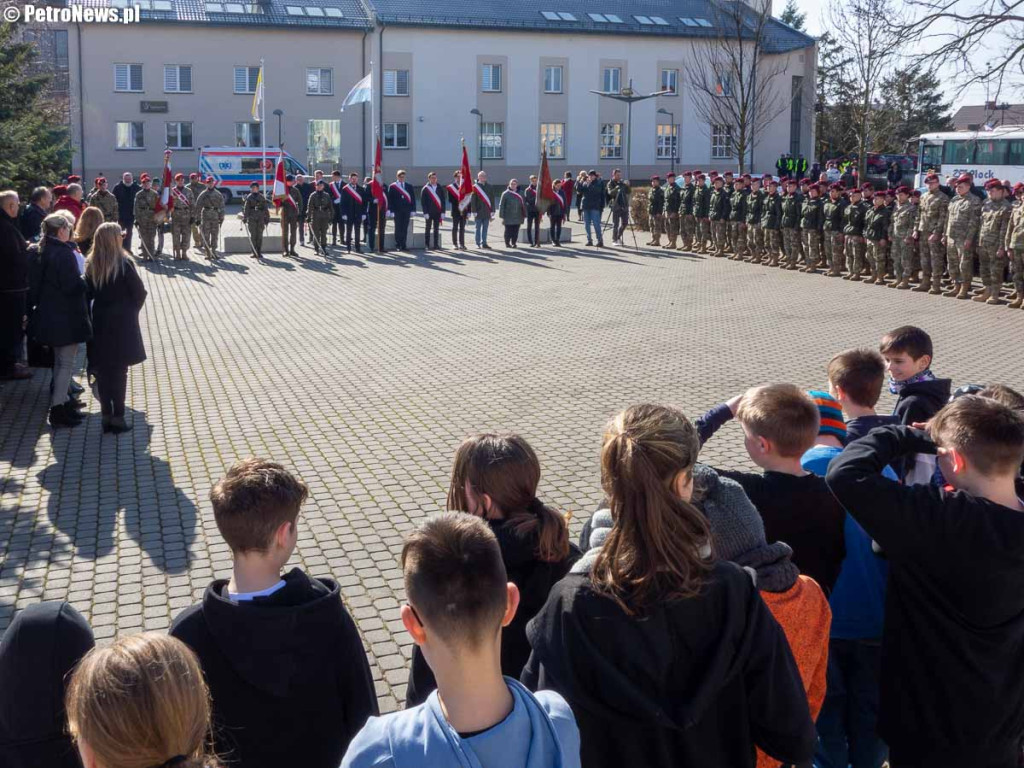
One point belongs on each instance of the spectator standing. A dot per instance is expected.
(13, 288)
(71, 201)
(125, 191)
(32, 217)
(894, 176)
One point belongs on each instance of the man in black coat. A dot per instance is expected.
(371, 213)
(401, 206)
(532, 213)
(31, 220)
(13, 287)
(432, 203)
(353, 212)
(593, 194)
(125, 191)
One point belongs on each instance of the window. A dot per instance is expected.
(551, 135)
(334, 13)
(248, 135)
(566, 16)
(323, 143)
(1015, 152)
(492, 137)
(245, 79)
(51, 56)
(600, 18)
(549, 15)
(980, 151)
(396, 135)
(177, 79)
(293, 10)
(613, 18)
(214, 8)
(659, 21)
(162, 5)
(687, 22)
(128, 78)
(234, 8)
(723, 83)
(611, 141)
(670, 80)
(319, 82)
(130, 136)
(491, 79)
(552, 79)
(179, 135)
(643, 20)
(612, 79)
(668, 141)
(721, 142)
(313, 10)
(396, 82)
(703, 23)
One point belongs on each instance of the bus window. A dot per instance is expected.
(957, 152)
(1015, 155)
(931, 156)
(991, 152)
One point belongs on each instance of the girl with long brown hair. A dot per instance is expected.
(495, 476)
(85, 229)
(667, 655)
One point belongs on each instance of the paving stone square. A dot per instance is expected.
(362, 373)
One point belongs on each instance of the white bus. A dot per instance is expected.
(995, 154)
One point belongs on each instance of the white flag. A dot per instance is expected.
(361, 91)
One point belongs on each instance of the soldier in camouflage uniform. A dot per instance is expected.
(771, 223)
(876, 232)
(962, 227)
(687, 221)
(901, 235)
(995, 221)
(210, 212)
(104, 199)
(853, 235)
(755, 208)
(832, 229)
(812, 220)
(195, 186)
(718, 213)
(145, 217)
(931, 231)
(738, 218)
(673, 199)
(290, 218)
(914, 247)
(656, 210)
(792, 202)
(320, 214)
(182, 216)
(255, 217)
(728, 189)
(1014, 245)
(701, 211)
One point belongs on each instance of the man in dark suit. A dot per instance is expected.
(432, 204)
(371, 213)
(353, 211)
(401, 206)
(532, 213)
(125, 191)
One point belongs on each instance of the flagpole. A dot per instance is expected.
(263, 124)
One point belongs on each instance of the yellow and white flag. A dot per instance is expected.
(257, 99)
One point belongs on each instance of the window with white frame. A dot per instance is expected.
(177, 78)
(611, 141)
(552, 139)
(396, 135)
(245, 79)
(721, 142)
(179, 135)
(492, 140)
(128, 78)
(490, 80)
(129, 135)
(668, 141)
(319, 81)
(670, 80)
(552, 79)
(396, 82)
(611, 80)
(248, 135)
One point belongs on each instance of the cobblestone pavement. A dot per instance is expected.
(363, 373)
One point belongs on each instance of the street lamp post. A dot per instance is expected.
(479, 135)
(280, 114)
(671, 134)
(629, 96)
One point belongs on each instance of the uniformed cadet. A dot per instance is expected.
(738, 218)
(728, 189)
(291, 215)
(890, 204)
(853, 235)
(792, 203)
(930, 235)
(962, 227)
(104, 199)
(876, 232)
(255, 217)
(687, 221)
(995, 221)
(673, 200)
(1014, 245)
(812, 221)
(182, 217)
(145, 217)
(320, 214)
(771, 224)
(195, 186)
(210, 211)
(914, 249)
(755, 208)
(701, 210)
(656, 210)
(718, 212)
(901, 236)
(832, 229)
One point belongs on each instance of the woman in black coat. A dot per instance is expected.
(895, 176)
(117, 295)
(58, 311)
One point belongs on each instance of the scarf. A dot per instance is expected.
(896, 387)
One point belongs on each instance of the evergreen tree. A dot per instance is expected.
(792, 16)
(833, 109)
(34, 142)
(911, 104)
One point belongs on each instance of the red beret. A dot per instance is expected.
(1018, 187)
(867, 186)
(746, 177)
(903, 190)
(193, 176)
(179, 177)
(60, 189)
(144, 177)
(855, 190)
(655, 178)
(964, 178)
(768, 178)
(208, 179)
(916, 193)
(713, 174)
(74, 179)
(718, 178)
(773, 180)
(931, 177)
(814, 188)
(790, 180)
(728, 173)
(992, 183)
(687, 173)
(96, 183)
(700, 176)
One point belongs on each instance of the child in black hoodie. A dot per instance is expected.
(496, 477)
(286, 668)
(952, 690)
(908, 358)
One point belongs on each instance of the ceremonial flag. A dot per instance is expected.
(257, 98)
(466, 183)
(377, 184)
(281, 186)
(165, 202)
(546, 192)
(361, 91)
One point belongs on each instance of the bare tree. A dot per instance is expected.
(733, 79)
(873, 46)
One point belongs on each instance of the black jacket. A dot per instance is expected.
(305, 190)
(530, 198)
(40, 648)
(31, 221)
(952, 680)
(13, 256)
(116, 335)
(697, 682)
(58, 312)
(397, 202)
(352, 208)
(125, 194)
(592, 195)
(919, 401)
(534, 579)
(431, 209)
(287, 673)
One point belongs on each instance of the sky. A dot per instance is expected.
(817, 13)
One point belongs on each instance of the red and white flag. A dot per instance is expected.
(281, 186)
(465, 183)
(377, 185)
(165, 202)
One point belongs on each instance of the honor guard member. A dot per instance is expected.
(458, 215)
(1014, 245)
(619, 193)
(792, 203)
(701, 211)
(353, 212)
(962, 227)
(656, 210)
(255, 217)
(853, 235)
(372, 214)
(718, 212)
(145, 217)
(483, 209)
(995, 220)
(182, 217)
(335, 189)
(832, 229)
(104, 199)
(401, 207)
(291, 216)
(728, 189)
(812, 219)
(901, 238)
(210, 210)
(738, 218)
(771, 223)
(755, 209)
(532, 213)
(687, 221)
(673, 200)
(196, 187)
(320, 214)
(432, 204)
(930, 234)
(876, 232)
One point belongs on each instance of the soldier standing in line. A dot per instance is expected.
(718, 212)
(320, 214)
(904, 224)
(728, 189)
(812, 221)
(876, 232)
(755, 209)
(1014, 245)
(291, 214)
(145, 217)
(832, 229)
(656, 210)
(792, 202)
(432, 205)
(687, 221)
(619, 193)
(995, 220)
(103, 198)
(738, 218)
(195, 186)
(771, 223)
(673, 199)
(853, 235)
(182, 217)
(915, 258)
(255, 217)
(962, 227)
(931, 226)
(701, 212)
(210, 211)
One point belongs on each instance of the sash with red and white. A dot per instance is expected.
(335, 192)
(522, 203)
(400, 188)
(477, 189)
(354, 194)
(436, 199)
(179, 196)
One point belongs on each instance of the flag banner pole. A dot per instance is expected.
(263, 125)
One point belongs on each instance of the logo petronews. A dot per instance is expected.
(73, 14)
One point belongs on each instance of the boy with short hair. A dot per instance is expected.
(952, 682)
(855, 379)
(286, 668)
(459, 598)
(908, 358)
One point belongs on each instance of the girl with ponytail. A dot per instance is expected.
(496, 477)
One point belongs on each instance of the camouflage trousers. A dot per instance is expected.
(1017, 265)
(854, 249)
(957, 257)
(255, 230)
(811, 240)
(755, 242)
(833, 247)
(180, 229)
(791, 246)
(720, 234)
(318, 228)
(197, 241)
(902, 258)
(933, 258)
(657, 227)
(210, 231)
(703, 235)
(772, 244)
(688, 229)
(991, 267)
(876, 257)
(738, 237)
(147, 234)
(289, 232)
(672, 226)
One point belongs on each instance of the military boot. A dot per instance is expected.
(964, 291)
(1016, 303)
(924, 287)
(984, 295)
(953, 291)
(904, 285)
(671, 242)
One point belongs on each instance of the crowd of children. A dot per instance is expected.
(859, 601)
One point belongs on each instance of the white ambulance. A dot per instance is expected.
(235, 168)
